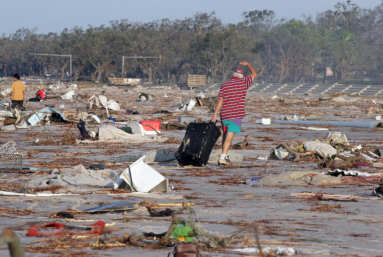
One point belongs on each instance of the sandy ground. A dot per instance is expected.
(313, 228)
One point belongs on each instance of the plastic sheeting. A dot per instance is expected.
(113, 105)
(325, 150)
(110, 133)
(39, 115)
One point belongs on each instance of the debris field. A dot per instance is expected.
(294, 202)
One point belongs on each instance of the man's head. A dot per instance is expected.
(16, 76)
(239, 73)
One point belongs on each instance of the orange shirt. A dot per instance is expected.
(18, 90)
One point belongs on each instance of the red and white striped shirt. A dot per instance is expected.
(233, 93)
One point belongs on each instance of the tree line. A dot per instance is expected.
(346, 41)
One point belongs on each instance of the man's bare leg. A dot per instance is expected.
(223, 139)
(227, 143)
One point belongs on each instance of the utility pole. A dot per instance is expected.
(62, 55)
(137, 57)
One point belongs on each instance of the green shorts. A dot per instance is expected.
(230, 126)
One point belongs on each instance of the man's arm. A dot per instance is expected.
(253, 72)
(218, 107)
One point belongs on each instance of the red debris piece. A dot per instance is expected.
(59, 230)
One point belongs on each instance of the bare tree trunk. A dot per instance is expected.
(150, 73)
(282, 76)
(62, 71)
(94, 75)
(224, 76)
(99, 75)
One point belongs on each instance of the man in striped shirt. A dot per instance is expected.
(231, 102)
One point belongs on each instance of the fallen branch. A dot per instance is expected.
(347, 161)
(244, 143)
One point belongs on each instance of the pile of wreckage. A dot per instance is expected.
(334, 154)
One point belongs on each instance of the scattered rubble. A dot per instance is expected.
(69, 178)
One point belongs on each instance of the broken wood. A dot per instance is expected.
(347, 161)
(331, 197)
(165, 213)
(244, 143)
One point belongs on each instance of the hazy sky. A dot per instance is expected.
(55, 15)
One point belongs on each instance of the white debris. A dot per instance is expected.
(92, 134)
(94, 102)
(6, 91)
(268, 250)
(357, 148)
(338, 138)
(68, 96)
(113, 105)
(281, 153)
(191, 105)
(140, 177)
(368, 158)
(263, 121)
(323, 149)
(314, 128)
(97, 119)
(54, 87)
(201, 94)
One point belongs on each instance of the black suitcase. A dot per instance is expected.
(198, 142)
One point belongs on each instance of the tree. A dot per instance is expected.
(343, 51)
(6, 53)
(101, 48)
(148, 42)
(288, 47)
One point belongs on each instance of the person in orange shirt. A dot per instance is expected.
(17, 93)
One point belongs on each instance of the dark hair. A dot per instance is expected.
(17, 76)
